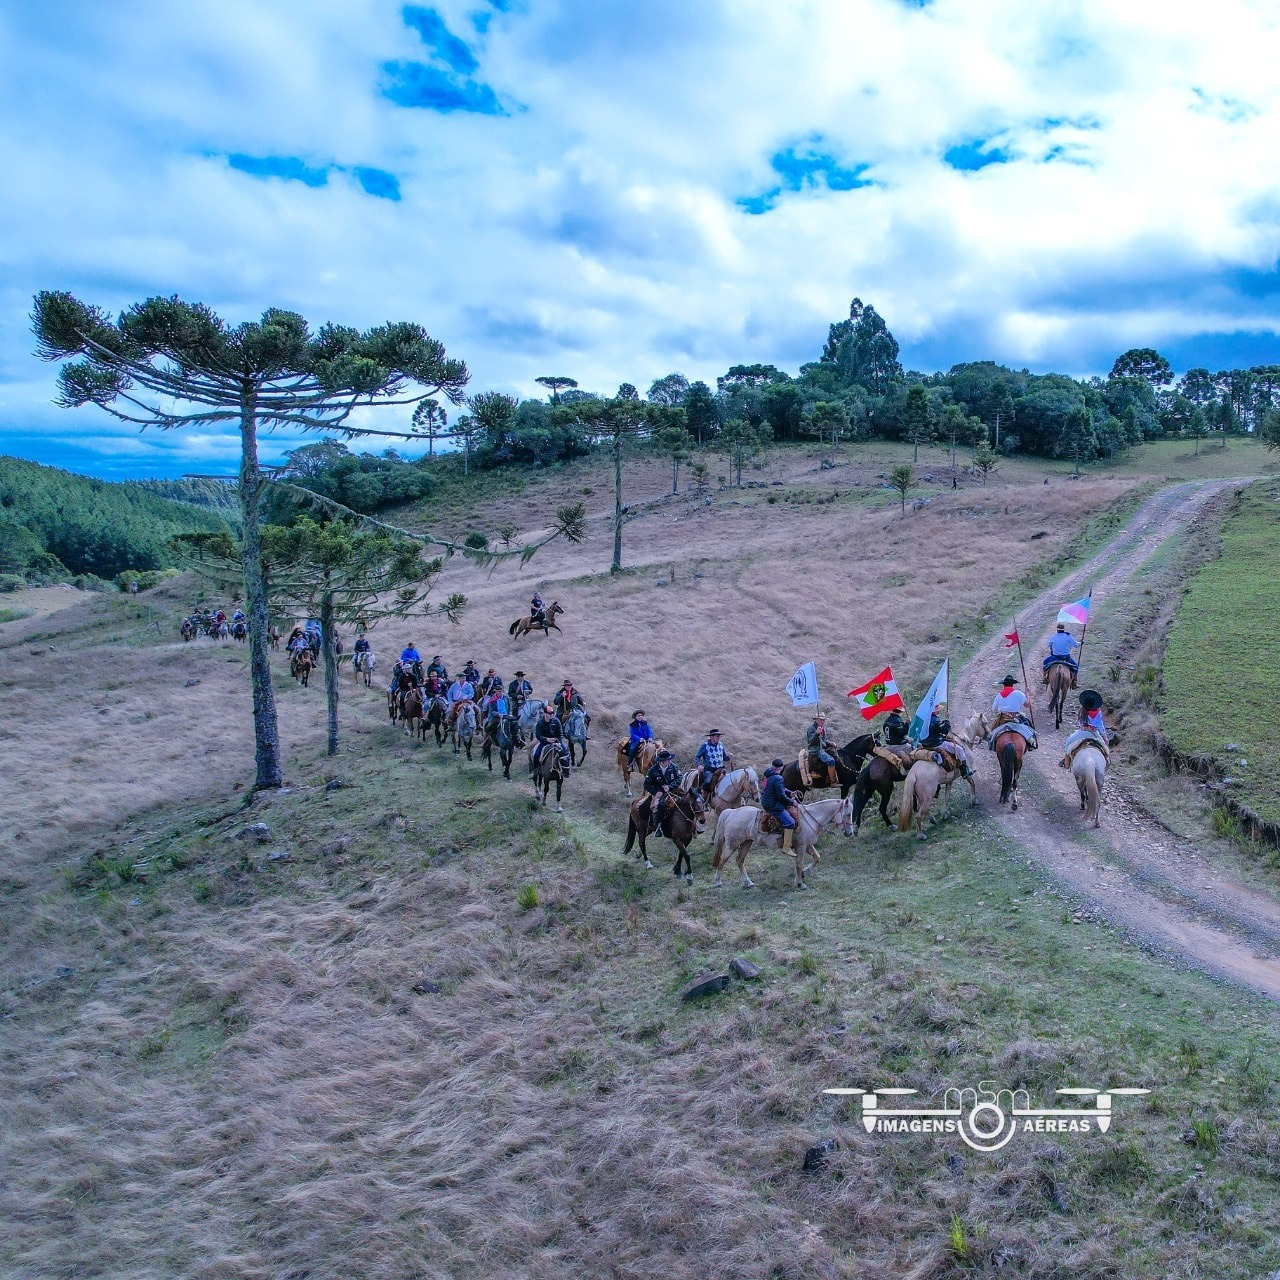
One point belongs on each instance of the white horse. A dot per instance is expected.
(463, 729)
(530, 713)
(736, 789)
(1089, 769)
(575, 734)
(364, 664)
(920, 789)
(738, 829)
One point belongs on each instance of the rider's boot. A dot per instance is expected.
(788, 835)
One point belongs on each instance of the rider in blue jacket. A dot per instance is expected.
(778, 802)
(640, 732)
(1060, 645)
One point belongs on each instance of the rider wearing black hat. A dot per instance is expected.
(711, 757)
(519, 690)
(778, 802)
(662, 779)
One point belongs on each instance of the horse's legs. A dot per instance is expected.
(743, 848)
(559, 783)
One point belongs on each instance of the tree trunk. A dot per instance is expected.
(675, 474)
(266, 733)
(328, 640)
(616, 566)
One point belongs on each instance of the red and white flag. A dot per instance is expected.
(878, 695)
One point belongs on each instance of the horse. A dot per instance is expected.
(522, 626)
(436, 719)
(848, 759)
(736, 788)
(1089, 769)
(273, 636)
(548, 770)
(300, 666)
(921, 789)
(188, 630)
(1059, 687)
(464, 729)
(685, 816)
(240, 631)
(1010, 747)
(646, 754)
(529, 714)
(575, 734)
(411, 712)
(878, 777)
(364, 664)
(220, 630)
(738, 829)
(506, 735)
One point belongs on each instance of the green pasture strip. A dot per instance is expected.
(13, 615)
(1221, 667)
(928, 965)
(1178, 460)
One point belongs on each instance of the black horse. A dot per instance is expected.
(878, 777)
(505, 735)
(849, 760)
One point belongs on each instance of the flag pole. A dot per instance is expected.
(1031, 710)
(1084, 630)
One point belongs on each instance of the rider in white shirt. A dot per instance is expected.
(1010, 700)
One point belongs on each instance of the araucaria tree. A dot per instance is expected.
(171, 364)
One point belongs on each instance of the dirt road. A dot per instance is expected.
(1158, 886)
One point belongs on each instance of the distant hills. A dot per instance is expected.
(55, 525)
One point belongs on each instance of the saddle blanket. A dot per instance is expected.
(1025, 731)
(1085, 738)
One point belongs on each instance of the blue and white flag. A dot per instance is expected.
(803, 686)
(936, 696)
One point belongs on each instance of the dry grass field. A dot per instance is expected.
(425, 1029)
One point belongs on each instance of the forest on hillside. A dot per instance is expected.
(857, 389)
(56, 526)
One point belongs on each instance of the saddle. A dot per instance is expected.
(945, 756)
(1093, 740)
(769, 825)
(892, 756)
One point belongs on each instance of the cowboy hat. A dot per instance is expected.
(713, 733)
(778, 762)
(520, 674)
(1090, 699)
(1009, 680)
(1062, 626)
(666, 755)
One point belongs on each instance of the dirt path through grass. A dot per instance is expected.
(1155, 884)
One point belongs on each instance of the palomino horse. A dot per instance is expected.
(728, 789)
(505, 735)
(575, 734)
(1089, 769)
(849, 760)
(364, 664)
(738, 829)
(921, 789)
(464, 729)
(685, 816)
(549, 769)
(1059, 687)
(300, 666)
(522, 626)
(878, 778)
(646, 754)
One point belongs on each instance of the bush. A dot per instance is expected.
(12, 582)
(527, 898)
(146, 578)
(477, 541)
(91, 582)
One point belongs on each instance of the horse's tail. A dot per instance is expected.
(511, 630)
(631, 834)
(907, 804)
(1008, 763)
(717, 847)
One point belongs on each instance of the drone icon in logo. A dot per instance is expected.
(986, 1117)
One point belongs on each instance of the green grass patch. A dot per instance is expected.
(12, 615)
(1221, 677)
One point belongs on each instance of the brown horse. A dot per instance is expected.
(646, 754)
(522, 626)
(1010, 747)
(300, 666)
(685, 816)
(1059, 687)
(411, 712)
(848, 759)
(550, 768)
(273, 636)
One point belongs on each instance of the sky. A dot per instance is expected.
(614, 190)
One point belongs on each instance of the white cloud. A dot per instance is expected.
(594, 230)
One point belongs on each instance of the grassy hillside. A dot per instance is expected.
(1221, 675)
(54, 524)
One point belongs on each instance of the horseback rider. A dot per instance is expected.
(297, 640)
(640, 733)
(779, 803)
(549, 735)
(494, 707)
(819, 747)
(567, 699)
(238, 616)
(491, 681)
(895, 729)
(947, 753)
(662, 779)
(438, 667)
(1092, 726)
(471, 673)
(1009, 702)
(1060, 645)
(461, 691)
(434, 687)
(537, 611)
(711, 757)
(411, 660)
(519, 690)
(362, 644)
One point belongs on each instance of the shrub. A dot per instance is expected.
(527, 898)
(476, 540)
(12, 582)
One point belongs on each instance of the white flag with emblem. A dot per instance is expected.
(803, 686)
(936, 696)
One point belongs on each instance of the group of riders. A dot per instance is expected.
(214, 622)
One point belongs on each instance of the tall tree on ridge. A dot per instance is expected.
(171, 364)
(556, 386)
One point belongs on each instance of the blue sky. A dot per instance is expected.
(617, 189)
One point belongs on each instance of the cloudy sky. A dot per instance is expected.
(617, 189)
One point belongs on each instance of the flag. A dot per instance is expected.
(1010, 639)
(803, 686)
(880, 693)
(935, 697)
(1078, 611)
